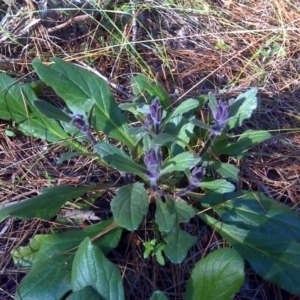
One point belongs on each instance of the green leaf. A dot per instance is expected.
(52, 112)
(178, 244)
(184, 107)
(184, 212)
(220, 186)
(130, 205)
(249, 210)
(171, 213)
(227, 171)
(158, 295)
(51, 272)
(51, 278)
(92, 268)
(186, 132)
(164, 138)
(66, 156)
(137, 130)
(212, 102)
(118, 159)
(9, 133)
(142, 83)
(24, 256)
(165, 215)
(199, 123)
(242, 108)
(217, 276)
(87, 293)
(160, 258)
(44, 206)
(16, 101)
(273, 253)
(180, 162)
(180, 127)
(246, 140)
(82, 89)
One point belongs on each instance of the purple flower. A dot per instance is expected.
(148, 122)
(196, 176)
(156, 110)
(220, 115)
(153, 162)
(79, 122)
(156, 113)
(221, 112)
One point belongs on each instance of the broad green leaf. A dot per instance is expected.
(81, 89)
(164, 138)
(212, 102)
(246, 140)
(158, 295)
(227, 171)
(52, 277)
(180, 162)
(165, 215)
(184, 212)
(184, 107)
(51, 272)
(217, 276)
(24, 256)
(92, 268)
(142, 83)
(130, 205)
(178, 244)
(248, 210)
(44, 206)
(180, 127)
(171, 213)
(118, 159)
(87, 293)
(199, 123)
(137, 130)
(186, 132)
(51, 111)
(220, 186)
(16, 102)
(276, 258)
(74, 132)
(242, 108)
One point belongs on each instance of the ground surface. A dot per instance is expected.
(191, 47)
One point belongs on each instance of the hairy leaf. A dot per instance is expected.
(92, 268)
(220, 186)
(178, 244)
(217, 276)
(118, 159)
(81, 90)
(51, 272)
(16, 101)
(44, 206)
(180, 162)
(130, 205)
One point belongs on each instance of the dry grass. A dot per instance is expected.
(191, 48)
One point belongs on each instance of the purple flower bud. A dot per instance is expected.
(148, 122)
(79, 122)
(196, 176)
(221, 117)
(153, 162)
(153, 158)
(221, 112)
(156, 112)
